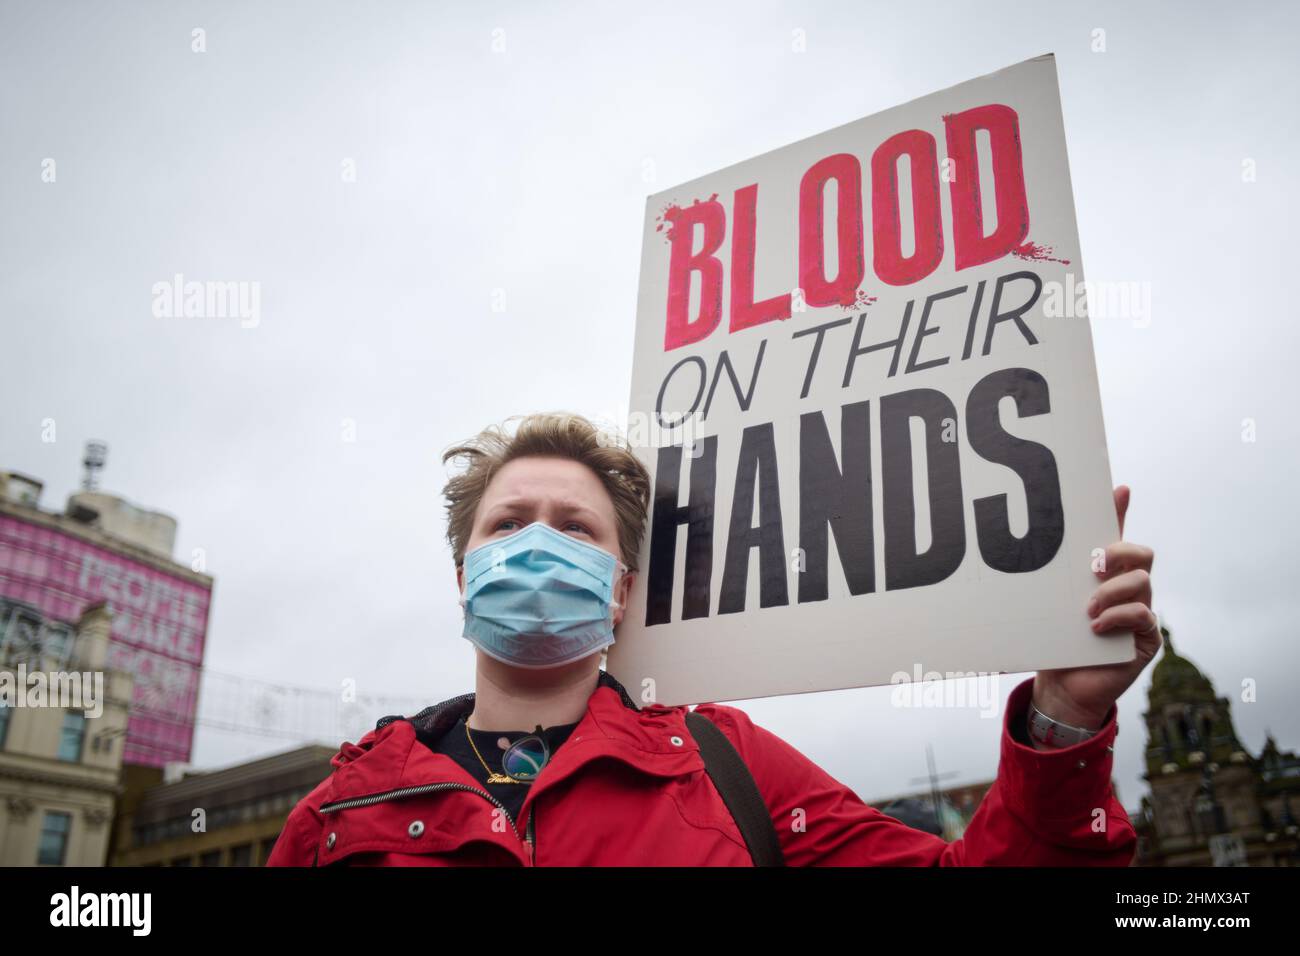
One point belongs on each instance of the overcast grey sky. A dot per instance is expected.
(518, 176)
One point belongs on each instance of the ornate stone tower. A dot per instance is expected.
(1211, 803)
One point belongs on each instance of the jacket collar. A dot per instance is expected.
(653, 740)
(432, 722)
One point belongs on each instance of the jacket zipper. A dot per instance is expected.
(531, 838)
(423, 788)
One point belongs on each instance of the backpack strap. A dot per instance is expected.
(727, 770)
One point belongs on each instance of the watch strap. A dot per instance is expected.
(1053, 733)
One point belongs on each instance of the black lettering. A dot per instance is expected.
(697, 515)
(756, 465)
(817, 349)
(1015, 314)
(836, 496)
(970, 326)
(858, 349)
(922, 332)
(904, 567)
(1032, 462)
(724, 361)
(663, 387)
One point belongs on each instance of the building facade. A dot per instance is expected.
(59, 763)
(1211, 802)
(228, 817)
(104, 549)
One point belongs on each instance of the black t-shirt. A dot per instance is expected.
(455, 745)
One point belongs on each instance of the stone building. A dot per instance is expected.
(1211, 802)
(59, 765)
(101, 548)
(228, 817)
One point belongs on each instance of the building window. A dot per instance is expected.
(211, 858)
(26, 636)
(242, 855)
(74, 733)
(267, 847)
(4, 724)
(54, 838)
(182, 861)
(56, 647)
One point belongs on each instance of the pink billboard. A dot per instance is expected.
(159, 625)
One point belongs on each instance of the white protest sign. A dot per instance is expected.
(864, 386)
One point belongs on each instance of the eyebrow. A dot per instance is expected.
(566, 506)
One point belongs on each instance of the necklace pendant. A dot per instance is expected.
(495, 777)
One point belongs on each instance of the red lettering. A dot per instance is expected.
(927, 221)
(745, 312)
(970, 246)
(680, 329)
(847, 173)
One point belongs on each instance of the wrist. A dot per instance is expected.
(1061, 708)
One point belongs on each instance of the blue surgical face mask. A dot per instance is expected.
(539, 598)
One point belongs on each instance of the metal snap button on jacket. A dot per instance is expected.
(416, 828)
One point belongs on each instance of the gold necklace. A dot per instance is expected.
(493, 776)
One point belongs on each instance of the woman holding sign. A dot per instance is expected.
(551, 762)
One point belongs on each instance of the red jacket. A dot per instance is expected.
(628, 788)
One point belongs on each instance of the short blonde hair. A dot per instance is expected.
(553, 435)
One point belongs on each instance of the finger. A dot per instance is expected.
(1135, 617)
(1131, 586)
(1124, 556)
(1122, 495)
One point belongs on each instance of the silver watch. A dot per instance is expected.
(1053, 733)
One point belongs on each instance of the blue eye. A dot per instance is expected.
(502, 524)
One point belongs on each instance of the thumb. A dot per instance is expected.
(1122, 496)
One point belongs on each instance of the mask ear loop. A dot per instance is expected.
(613, 603)
(622, 574)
